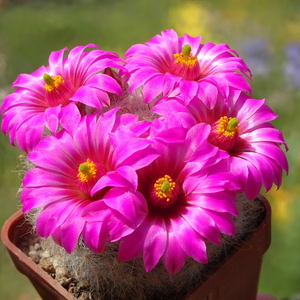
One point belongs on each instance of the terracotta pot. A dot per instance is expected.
(236, 277)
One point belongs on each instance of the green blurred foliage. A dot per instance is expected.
(259, 30)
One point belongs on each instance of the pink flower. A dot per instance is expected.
(167, 62)
(59, 95)
(241, 127)
(190, 199)
(68, 168)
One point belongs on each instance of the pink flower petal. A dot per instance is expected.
(131, 205)
(174, 257)
(121, 177)
(155, 242)
(191, 242)
(51, 116)
(202, 223)
(53, 215)
(70, 117)
(72, 227)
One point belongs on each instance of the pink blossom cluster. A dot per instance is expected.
(149, 151)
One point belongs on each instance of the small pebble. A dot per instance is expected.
(45, 254)
(45, 264)
(56, 262)
(37, 246)
(34, 256)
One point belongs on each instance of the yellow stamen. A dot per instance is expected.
(87, 171)
(228, 126)
(164, 187)
(186, 57)
(52, 83)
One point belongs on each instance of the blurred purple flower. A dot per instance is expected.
(256, 52)
(292, 64)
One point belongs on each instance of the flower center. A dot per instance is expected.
(57, 90)
(87, 171)
(164, 192)
(228, 126)
(88, 174)
(52, 83)
(185, 64)
(164, 187)
(224, 133)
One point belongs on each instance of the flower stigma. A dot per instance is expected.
(224, 133)
(228, 126)
(87, 171)
(186, 57)
(164, 187)
(52, 83)
(185, 64)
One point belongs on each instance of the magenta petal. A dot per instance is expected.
(265, 134)
(273, 151)
(194, 42)
(119, 227)
(248, 176)
(31, 133)
(224, 221)
(131, 205)
(31, 83)
(172, 135)
(267, 168)
(75, 56)
(90, 96)
(221, 202)
(136, 153)
(152, 88)
(105, 83)
(70, 117)
(188, 89)
(38, 177)
(132, 245)
(174, 257)
(63, 163)
(114, 226)
(155, 242)
(206, 227)
(91, 235)
(96, 211)
(51, 117)
(56, 62)
(121, 177)
(96, 233)
(53, 215)
(37, 197)
(137, 79)
(191, 242)
(113, 62)
(72, 227)
(56, 236)
(95, 236)
(253, 113)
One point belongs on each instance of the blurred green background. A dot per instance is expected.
(265, 33)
